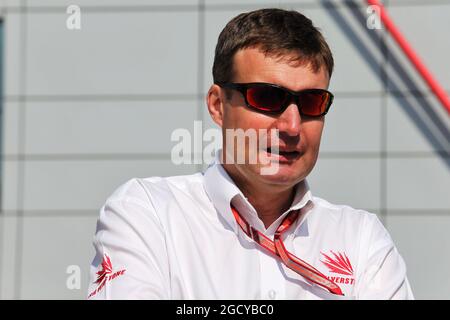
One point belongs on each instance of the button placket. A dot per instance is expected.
(273, 282)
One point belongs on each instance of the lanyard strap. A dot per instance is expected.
(277, 248)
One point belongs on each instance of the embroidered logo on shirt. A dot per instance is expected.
(105, 274)
(339, 263)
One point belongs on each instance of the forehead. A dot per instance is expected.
(252, 65)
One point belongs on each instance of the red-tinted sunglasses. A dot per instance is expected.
(271, 98)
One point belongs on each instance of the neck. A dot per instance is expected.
(269, 201)
(269, 205)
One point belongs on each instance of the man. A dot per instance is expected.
(234, 231)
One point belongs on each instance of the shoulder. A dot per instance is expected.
(181, 183)
(359, 222)
(341, 211)
(143, 190)
(139, 202)
(153, 196)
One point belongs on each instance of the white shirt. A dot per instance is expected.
(176, 238)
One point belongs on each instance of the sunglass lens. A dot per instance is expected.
(314, 103)
(266, 98)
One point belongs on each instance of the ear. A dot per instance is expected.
(215, 101)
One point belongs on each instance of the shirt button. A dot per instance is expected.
(272, 294)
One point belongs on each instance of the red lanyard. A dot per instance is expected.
(277, 248)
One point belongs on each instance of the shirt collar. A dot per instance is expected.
(222, 190)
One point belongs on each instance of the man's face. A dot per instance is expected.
(296, 132)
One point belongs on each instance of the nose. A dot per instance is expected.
(289, 122)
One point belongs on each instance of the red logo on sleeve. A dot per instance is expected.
(339, 263)
(105, 274)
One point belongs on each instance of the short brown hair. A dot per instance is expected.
(276, 32)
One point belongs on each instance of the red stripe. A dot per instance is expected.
(277, 248)
(412, 56)
(303, 269)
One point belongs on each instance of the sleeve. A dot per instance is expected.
(384, 274)
(131, 259)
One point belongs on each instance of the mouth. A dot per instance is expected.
(283, 155)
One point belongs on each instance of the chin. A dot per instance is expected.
(285, 175)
